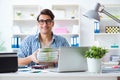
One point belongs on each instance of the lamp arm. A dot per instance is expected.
(110, 15)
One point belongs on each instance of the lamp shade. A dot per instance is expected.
(92, 14)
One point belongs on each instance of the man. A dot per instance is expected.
(44, 39)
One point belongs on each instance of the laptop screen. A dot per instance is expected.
(72, 59)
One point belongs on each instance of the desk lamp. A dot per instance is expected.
(94, 14)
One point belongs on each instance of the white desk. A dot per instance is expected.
(58, 76)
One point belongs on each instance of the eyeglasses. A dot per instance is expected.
(47, 21)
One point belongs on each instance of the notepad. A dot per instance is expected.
(110, 70)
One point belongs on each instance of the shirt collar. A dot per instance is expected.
(37, 36)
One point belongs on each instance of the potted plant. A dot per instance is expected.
(18, 15)
(94, 55)
(32, 15)
(2, 48)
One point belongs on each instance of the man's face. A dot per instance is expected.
(45, 24)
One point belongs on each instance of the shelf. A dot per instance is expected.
(109, 40)
(113, 49)
(67, 16)
(106, 34)
(67, 19)
(62, 34)
(22, 34)
(25, 11)
(24, 22)
(65, 6)
(69, 11)
(24, 19)
(67, 34)
(62, 19)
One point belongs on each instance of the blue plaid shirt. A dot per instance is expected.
(31, 43)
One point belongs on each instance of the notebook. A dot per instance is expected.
(8, 62)
(71, 59)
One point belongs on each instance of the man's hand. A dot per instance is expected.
(34, 56)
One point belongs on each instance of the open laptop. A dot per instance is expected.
(71, 59)
(8, 62)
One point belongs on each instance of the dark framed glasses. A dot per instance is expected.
(47, 21)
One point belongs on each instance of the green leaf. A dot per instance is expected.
(96, 52)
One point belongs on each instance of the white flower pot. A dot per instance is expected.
(94, 65)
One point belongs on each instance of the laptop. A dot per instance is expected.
(71, 59)
(8, 62)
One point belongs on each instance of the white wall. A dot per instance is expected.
(86, 25)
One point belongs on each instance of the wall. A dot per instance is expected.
(86, 25)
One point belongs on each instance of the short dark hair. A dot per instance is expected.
(46, 12)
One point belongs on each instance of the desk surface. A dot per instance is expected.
(55, 74)
(45, 75)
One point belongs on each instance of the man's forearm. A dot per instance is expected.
(24, 61)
